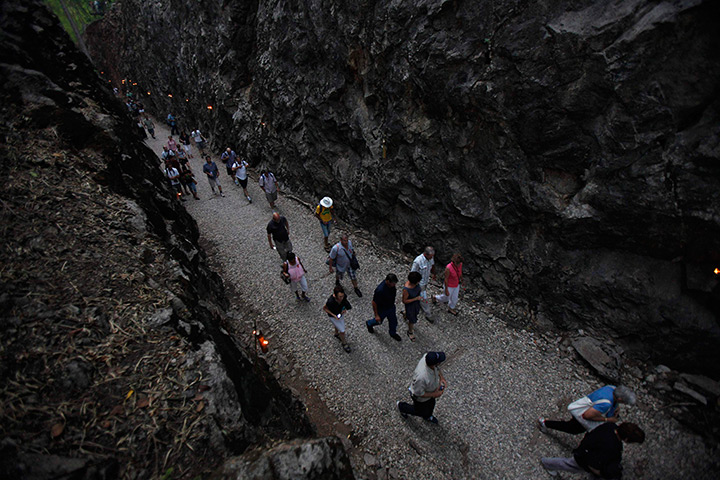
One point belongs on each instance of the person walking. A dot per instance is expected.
(324, 213)
(599, 453)
(211, 170)
(591, 411)
(185, 142)
(340, 257)
(295, 271)
(150, 126)
(172, 123)
(241, 177)
(270, 186)
(199, 140)
(424, 264)
(383, 304)
(228, 157)
(412, 299)
(172, 144)
(167, 154)
(452, 282)
(278, 229)
(428, 384)
(335, 307)
(173, 175)
(188, 179)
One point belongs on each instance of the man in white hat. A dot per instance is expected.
(324, 213)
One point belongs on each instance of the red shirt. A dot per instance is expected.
(453, 279)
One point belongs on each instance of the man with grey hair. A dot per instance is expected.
(591, 411)
(424, 264)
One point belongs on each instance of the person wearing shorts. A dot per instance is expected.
(199, 140)
(240, 169)
(278, 229)
(411, 298)
(294, 270)
(324, 213)
(340, 255)
(335, 307)
(211, 170)
(269, 184)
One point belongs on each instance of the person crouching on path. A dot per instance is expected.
(427, 384)
(599, 453)
(340, 255)
(335, 306)
(211, 170)
(383, 304)
(294, 270)
(453, 280)
(278, 229)
(324, 213)
(270, 186)
(591, 411)
(241, 177)
(411, 298)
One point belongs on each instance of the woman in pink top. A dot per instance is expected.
(294, 270)
(172, 144)
(453, 279)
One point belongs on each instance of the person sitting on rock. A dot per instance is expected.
(591, 411)
(599, 453)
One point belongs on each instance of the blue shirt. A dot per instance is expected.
(604, 393)
(211, 168)
(384, 297)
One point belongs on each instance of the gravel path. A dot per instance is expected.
(500, 379)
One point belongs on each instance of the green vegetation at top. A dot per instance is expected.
(82, 12)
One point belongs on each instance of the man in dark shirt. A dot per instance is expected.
(599, 453)
(278, 229)
(383, 304)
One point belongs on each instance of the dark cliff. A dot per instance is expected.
(113, 356)
(568, 149)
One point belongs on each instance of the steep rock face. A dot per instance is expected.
(114, 359)
(568, 149)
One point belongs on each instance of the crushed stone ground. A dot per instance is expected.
(500, 379)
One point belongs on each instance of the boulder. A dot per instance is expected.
(602, 357)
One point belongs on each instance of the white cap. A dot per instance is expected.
(326, 202)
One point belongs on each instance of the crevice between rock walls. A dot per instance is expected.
(50, 90)
(556, 146)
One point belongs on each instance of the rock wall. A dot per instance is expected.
(568, 149)
(115, 362)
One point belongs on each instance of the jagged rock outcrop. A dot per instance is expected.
(113, 355)
(568, 149)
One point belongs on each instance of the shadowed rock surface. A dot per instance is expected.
(568, 149)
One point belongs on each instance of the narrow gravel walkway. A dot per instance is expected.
(500, 379)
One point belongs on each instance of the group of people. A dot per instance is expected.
(599, 454)
(600, 451)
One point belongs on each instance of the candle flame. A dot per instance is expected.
(717, 271)
(148, 93)
(209, 107)
(170, 95)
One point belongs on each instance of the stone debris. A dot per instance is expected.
(688, 391)
(601, 356)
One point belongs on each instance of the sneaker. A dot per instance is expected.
(541, 425)
(222, 194)
(249, 199)
(347, 348)
(432, 419)
(552, 473)
(358, 292)
(369, 327)
(306, 298)
(397, 337)
(404, 415)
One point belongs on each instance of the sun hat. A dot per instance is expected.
(326, 202)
